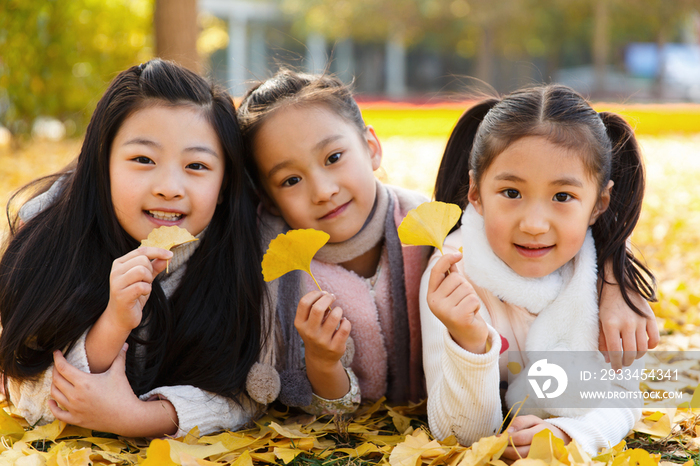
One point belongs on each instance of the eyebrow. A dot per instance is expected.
(151, 143)
(317, 147)
(565, 181)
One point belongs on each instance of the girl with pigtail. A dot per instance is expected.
(551, 191)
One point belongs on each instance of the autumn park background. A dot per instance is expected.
(414, 64)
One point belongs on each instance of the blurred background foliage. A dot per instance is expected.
(57, 56)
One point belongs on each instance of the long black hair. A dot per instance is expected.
(54, 273)
(558, 113)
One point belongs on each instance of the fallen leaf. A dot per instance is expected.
(292, 251)
(10, 426)
(547, 447)
(428, 224)
(158, 454)
(659, 429)
(485, 450)
(45, 432)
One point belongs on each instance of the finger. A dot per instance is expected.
(64, 368)
(158, 266)
(60, 398)
(331, 321)
(629, 347)
(614, 344)
(652, 332)
(439, 270)
(515, 453)
(304, 306)
(317, 314)
(61, 414)
(155, 253)
(523, 422)
(641, 335)
(61, 383)
(137, 271)
(602, 344)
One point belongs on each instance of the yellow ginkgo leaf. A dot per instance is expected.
(292, 251)
(158, 454)
(428, 224)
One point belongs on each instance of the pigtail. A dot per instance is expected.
(612, 229)
(452, 183)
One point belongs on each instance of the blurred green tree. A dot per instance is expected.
(57, 57)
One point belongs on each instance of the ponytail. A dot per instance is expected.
(452, 183)
(612, 229)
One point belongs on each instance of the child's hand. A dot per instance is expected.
(521, 432)
(106, 402)
(624, 334)
(453, 300)
(129, 289)
(130, 285)
(325, 334)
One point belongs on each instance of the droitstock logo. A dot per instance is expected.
(547, 371)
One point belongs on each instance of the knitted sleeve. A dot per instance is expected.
(207, 411)
(31, 398)
(463, 388)
(599, 428)
(346, 404)
(605, 426)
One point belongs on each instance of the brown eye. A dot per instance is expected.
(562, 197)
(512, 193)
(333, 158)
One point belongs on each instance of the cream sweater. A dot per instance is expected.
(463, 387)
(195, 407)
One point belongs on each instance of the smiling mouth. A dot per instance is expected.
(337, 211)
(167, 216)
(530, 251)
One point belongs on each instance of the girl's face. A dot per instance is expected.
(537, 200)
(166, 167)
(317, 170)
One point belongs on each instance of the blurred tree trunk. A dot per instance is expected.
(601, 43)
(484, 55)
(176, 32)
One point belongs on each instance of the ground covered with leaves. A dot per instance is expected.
(376, 434)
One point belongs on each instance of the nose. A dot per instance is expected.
(534, 220)
(169, 183)
(324, 188)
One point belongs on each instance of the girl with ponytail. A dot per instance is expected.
(551, 191)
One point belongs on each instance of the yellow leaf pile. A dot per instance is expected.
(293, 250)
(373, 435)
(428, 224)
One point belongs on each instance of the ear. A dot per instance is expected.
(602, 204)
(473, 195)
(375, 147)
